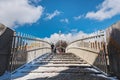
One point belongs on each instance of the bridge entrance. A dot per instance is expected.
(91, 57)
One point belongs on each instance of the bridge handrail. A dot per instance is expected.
(87, 38)
(91, 49)
(31, 39)
(26, 48)
(86, 49)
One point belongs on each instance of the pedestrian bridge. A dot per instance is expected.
(93, 57)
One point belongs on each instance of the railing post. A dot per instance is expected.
(6, 36)
(113, 48)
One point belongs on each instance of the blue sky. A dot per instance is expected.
(69, 16)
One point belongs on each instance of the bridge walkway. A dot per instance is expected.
(58, 67)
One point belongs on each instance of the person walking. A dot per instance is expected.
(52, 47)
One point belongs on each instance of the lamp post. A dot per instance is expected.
(60, 37)
(60, 40)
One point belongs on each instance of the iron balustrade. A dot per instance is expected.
(95, 45)
(26, 48)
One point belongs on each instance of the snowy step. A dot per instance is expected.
(63, 69)
(70, 66)
(62, 61)
(58, 67)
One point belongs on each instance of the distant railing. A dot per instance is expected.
(26, 48)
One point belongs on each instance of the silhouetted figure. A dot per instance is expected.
(52, 47)
(62, 49)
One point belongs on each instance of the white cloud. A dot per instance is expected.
(64, 20)
(18, 12)
(66, 37)
(37, 1)
(52, 15)
(34, 2)
(71, 36)
(74, 30)
(77, 17)
(107, 10)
